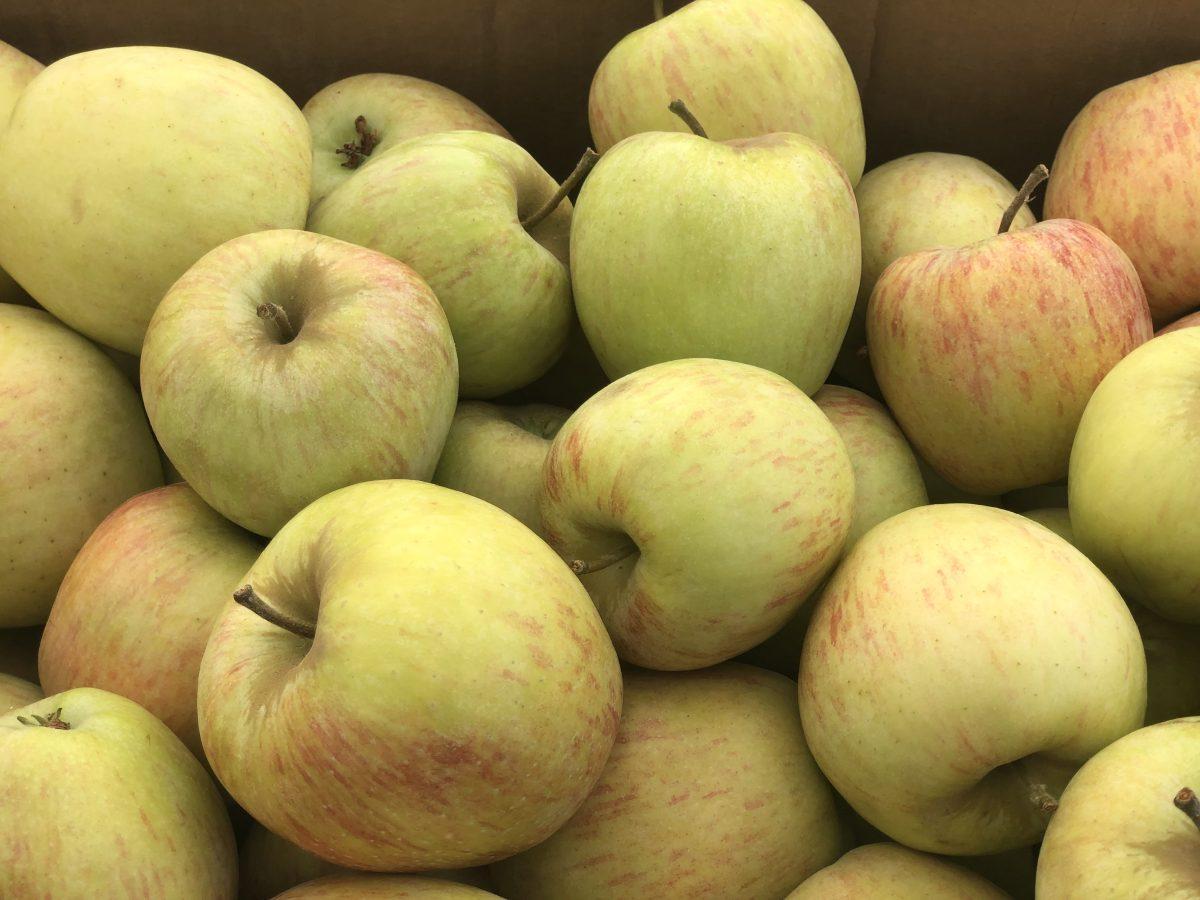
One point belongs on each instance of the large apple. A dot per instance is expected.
(1133, 486)
(425, 685)
(962, 662)
(100, 799)
(896, 872)
(135, 609)
(384, 887)
(16, 71)
(1117, 832)
(918, 202)
(745, 67)
(74, 444)
(179, 151)
(463, 208)
(17, 692)
(285, 365)
(747, 250)
(711, 778)
(704, 500)
(987, 354)
(496, 453)
(1127, 164)
(360, 117)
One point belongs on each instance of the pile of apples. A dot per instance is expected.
(750, 528)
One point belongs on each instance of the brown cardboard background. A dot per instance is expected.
(998, 79)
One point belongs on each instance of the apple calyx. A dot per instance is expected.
(279, 316)
(246, 596)
(1039, 795)
(1187, 802)
(1039, 174)
(54, 720)
(590, 158)
(680, 109)
(356, 151)
(583, 567)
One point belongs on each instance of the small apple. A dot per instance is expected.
(746, 67)
(1188, 321)
(285, 365)
(704, 500)
(75, 445)
(16, 71)
(961, 664)
(100, 799)
(896, 872)
(135, 609)
(384, 887)
(17, 692)
(711, 775)
(496, 453)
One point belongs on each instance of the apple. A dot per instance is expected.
(179, 152)
(75, 445)
(1117, 832)
(16, 71)
(1133, 486)
(393, 108)
(135, 609)
(918, 202)
(467, 210)
(100, 799)
(496, 453)
(704, 500)
(942, 491)
(711, 776)
(285, 365)
(417, 682)
(383, 887)
(890, 870)
(17, 692)
(1127, 164)
(1057, 519)
(987, 354)
(961, 664)
(19, 652)
(745, 67)
(755, 254)
(1188, 321)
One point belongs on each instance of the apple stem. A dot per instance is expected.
(247, 597)
(1039, 174)
(356, 151)
(280, 317)
(680, 109)
(589, 159)
(658, 10)
(54, 720)
(1189, 804)
(582, 567)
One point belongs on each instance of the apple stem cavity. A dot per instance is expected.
(1039, 174)
(1189, 804)
(680, 109)
(54, 720)
(279, 316)
(658, 10)
(583, 567)
(247, 597)
(356, 151)
(590, 158)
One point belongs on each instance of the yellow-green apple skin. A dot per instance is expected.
(75, 446)
(684, 247)
(123, 809)
(16, 71)
(458, 700)
(1133, 486)
(710, 793)
(1127, 164)
(260, 425)
(17, 692)
(744, 67)
(1057, 519)
(1189, 321)
(896, 872)
(135, 609)
(450, 205)
(384, 887)
(1116, 833)
(726, 491)
(987, 354)
(959, 655)
(179, 151)
(496, 453)
(19, 652)
(394, 107)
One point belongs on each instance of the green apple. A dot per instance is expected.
(19, 652)
(704, 500)
(1057, 519)
(1117, 832)
(135, 609)
(75, 446)
(961, 664)
(16, 71)
(384, 887)
(392, 109)
(425, 685)
(711, 777)
(459, 208)
(179, 152)
(745, 67)
(896, 872)
(918, 202)
(100, 799)
(1188, 321)
(1127, 164)
(987, 354)
(496, 453)
(17, 692)
(285, 365)
(1133, 486)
